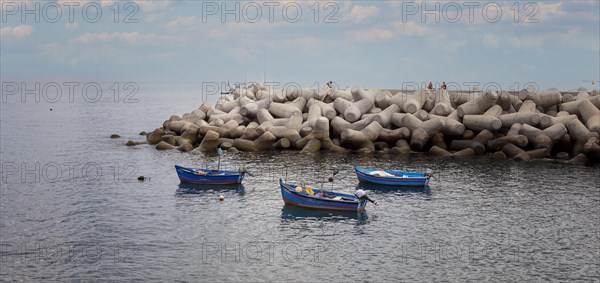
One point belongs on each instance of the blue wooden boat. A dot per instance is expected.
(392, 177)
(207, 176)
(320, 199)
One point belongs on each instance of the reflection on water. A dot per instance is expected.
(200, 189)
(382, 189)
(296, 213)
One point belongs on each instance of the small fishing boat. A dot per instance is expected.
(320, 199)
(392, 177)
(207, 176)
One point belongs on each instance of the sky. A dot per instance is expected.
(372, 44)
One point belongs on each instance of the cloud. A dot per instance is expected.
(51, 47)
(218, 33)
(127, 37)
(151, 5)
(154, 17)
(548, 11)
(573, 38)
(370, 34)
(478, 12)
(526, 42)
(491, 40)
(391, 31)
(393, 3)
(182, 23)
(303, 42)
(233, 29)
(71, 25)
(152, 10)
(73, 2)
(79, 3)
(106, 3)
(410, 28)
(19, 31)
(361, 14)
(454, 44)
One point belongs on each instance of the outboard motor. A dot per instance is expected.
(428, 173)
(362, 195)
(242, 169)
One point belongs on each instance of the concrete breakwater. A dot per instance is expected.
(564, 126)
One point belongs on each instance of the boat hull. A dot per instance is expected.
(189, 175)
(292, 197)
(407, 179)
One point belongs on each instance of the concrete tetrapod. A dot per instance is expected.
(438, 151)
(357, 109)
(321, 129)
(358, 139)
(391, 136)
(547, 121)
(590, 114)
(421, 135)
(479, 105)
(384, 117)
(442, 107)
(401, 147)
(415, 101)
(283, 110)
(497, 144)
(383, 99)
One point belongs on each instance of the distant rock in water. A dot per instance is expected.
(114, 136)
(143, 133)
(133, 143)
(164, 146)
(155, 136)
(185, 147)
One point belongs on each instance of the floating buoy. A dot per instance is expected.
(221, 198)
(50, 109)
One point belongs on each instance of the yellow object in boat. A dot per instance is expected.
(309, 191)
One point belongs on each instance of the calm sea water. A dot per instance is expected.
(71, 208)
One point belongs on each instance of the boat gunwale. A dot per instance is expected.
(409, 175)
(289, 189)
(209, 172)
(289, 202)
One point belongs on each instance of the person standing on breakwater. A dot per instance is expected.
(329, 87)
(430, 86)
(443, 85)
